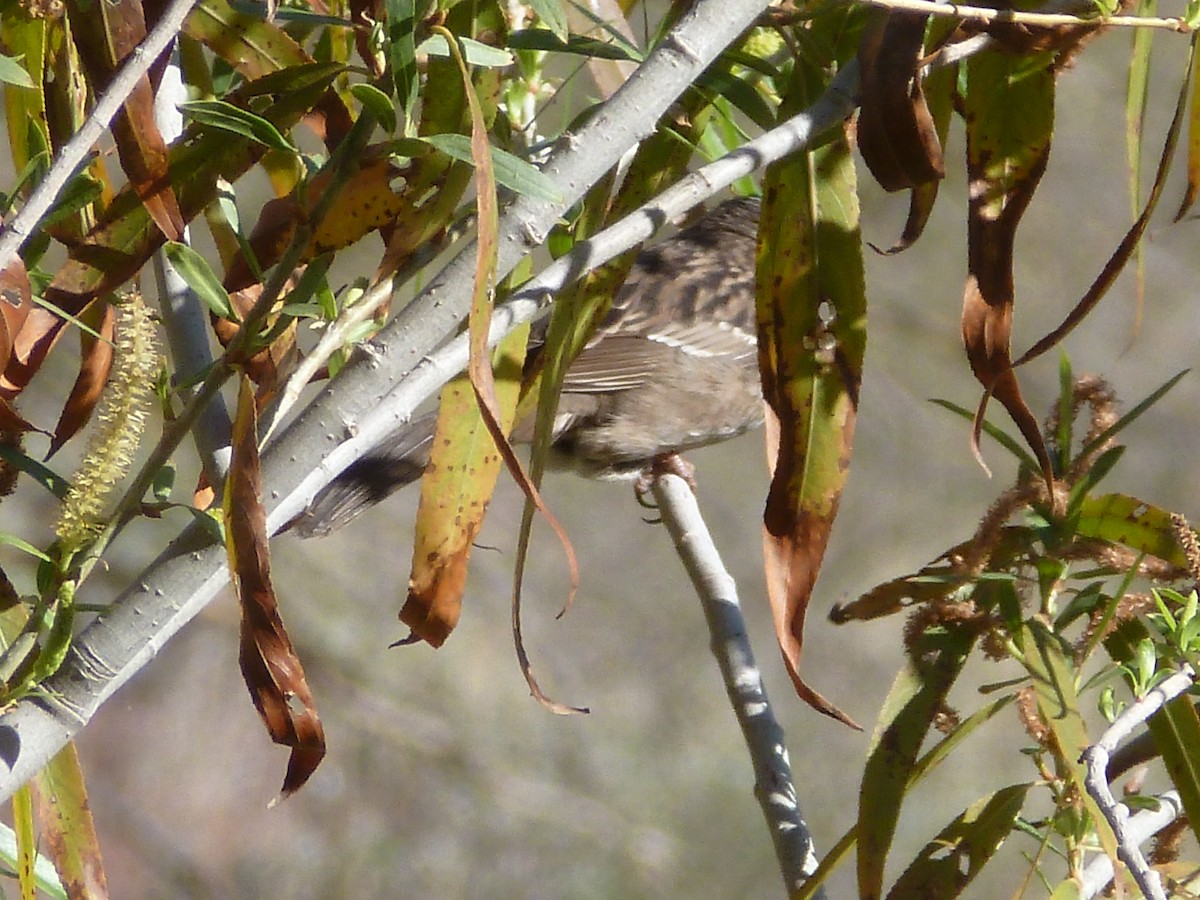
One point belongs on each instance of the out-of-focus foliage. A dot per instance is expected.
(385, 131)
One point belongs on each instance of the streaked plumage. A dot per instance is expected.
(672, 367)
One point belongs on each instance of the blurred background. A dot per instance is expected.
(445, 779)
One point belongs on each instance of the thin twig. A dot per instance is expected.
(1141, 826)
(1017, 17)
(76, 149)
(1096, 757)
(773, 785)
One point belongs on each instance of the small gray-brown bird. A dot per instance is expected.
(673, 366)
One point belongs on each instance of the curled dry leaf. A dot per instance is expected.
(896, 132)
(1009, 112)
(269, 663)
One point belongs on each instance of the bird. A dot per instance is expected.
(673, 366)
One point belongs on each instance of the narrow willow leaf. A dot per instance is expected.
(227, 117)
(378, 103)
(1137, 89)
(43, 870)
(402, 19)
(551, 14)
(67, 826)
(511, 171)
(195, 270)
(476, 54)
(541, 39)
(950, 862)
(1130, 417)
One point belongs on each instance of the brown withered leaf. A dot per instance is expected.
(269, 663)
(1009, 112)
(106, 33)
(896, 132)
(95, 360)
(812, 339)
(38, 334)
(16, 300)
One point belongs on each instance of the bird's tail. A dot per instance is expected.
(400, 459)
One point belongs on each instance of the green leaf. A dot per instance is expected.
(551, 14)
(1002, 438)
(541, 39)
(1132, 416)
(1126, 520)
(907, 715)
(402, 19)
(12, 540)
(1054, 683)
(227, 117)
(379, 104)
(194, 269)
(12, 72)
(476, 54)
(511, 171)
(950, 862)
(42, 474)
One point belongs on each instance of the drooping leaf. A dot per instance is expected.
(1116, 263)
(1009, 112)
(455, 492)
(896, 131)
(543, 39)
(811, 340)
(1137, 91)
(270, 666)
(949, 863)
(227, 117)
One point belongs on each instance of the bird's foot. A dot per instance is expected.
(667, 464)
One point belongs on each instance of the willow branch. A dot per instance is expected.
(773, 785)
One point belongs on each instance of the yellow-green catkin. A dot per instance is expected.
(120, 421)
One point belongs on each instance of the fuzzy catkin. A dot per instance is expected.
(120, 421)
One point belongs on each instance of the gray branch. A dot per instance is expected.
(773, 785)
(1096, 757)
(189, 573)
